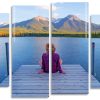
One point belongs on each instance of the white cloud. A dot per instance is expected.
(54, 8)
(44, 7)
(78, 15)
(55, 15)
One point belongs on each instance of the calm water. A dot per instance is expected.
(73, 50)
(97, 58)
(28, 50)
(3, 62)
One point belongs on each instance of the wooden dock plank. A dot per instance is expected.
(70, 91)
(26, 82)
(30, 95)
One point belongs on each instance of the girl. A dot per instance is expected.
(56, 61)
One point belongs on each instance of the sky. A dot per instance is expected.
(79, 9)
(21, 13)
(4, 18)
(95, 19)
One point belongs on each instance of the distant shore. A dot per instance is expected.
(53, 35)
(95, 35)
(45, 35)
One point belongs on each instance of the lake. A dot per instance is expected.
(97, 58)
(3, 59)
(28, 50)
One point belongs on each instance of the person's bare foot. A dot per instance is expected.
(40, 72)
(62, 72)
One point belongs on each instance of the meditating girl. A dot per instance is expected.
(56, 61)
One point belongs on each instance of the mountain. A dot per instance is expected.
(95, 27)
(71, 23)
(2, 24)
(36, 24)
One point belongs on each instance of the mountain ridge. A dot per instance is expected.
(70, 24)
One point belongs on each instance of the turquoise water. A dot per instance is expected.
(3, 59)
(97, 57)
(28, 50)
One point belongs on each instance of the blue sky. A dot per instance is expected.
(61, 10)
(4, 17)
(95, 19)
(21, 13)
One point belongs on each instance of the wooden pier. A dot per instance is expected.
(26, 82)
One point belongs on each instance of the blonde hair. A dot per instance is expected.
(53, 48)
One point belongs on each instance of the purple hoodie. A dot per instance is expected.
(55, 63)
